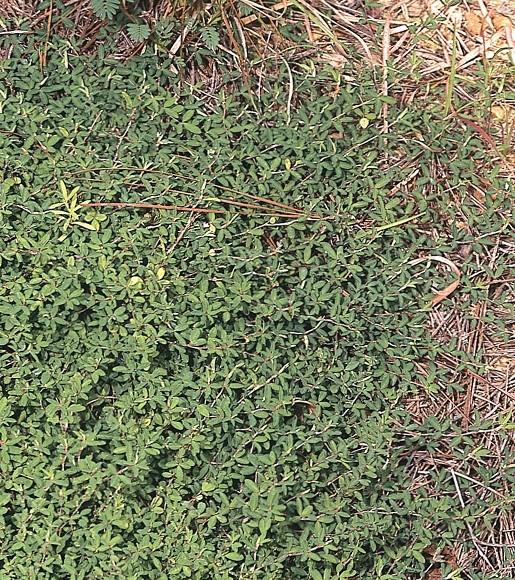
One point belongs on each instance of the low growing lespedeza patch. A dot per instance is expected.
(203, 395)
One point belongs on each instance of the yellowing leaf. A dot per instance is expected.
(64, 191)
(86, 226)
(208, 486)
(135, 280)
(499, 112)
(364, 122)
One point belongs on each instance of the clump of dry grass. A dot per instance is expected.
(487, 394)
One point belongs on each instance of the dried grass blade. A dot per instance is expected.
(448, 290)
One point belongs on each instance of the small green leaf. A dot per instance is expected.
(138, 31)
(210, 37)
(192, 128)
(105, 8)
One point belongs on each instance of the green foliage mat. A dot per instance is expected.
(206, 396)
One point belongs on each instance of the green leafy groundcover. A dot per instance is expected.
(205, 396)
